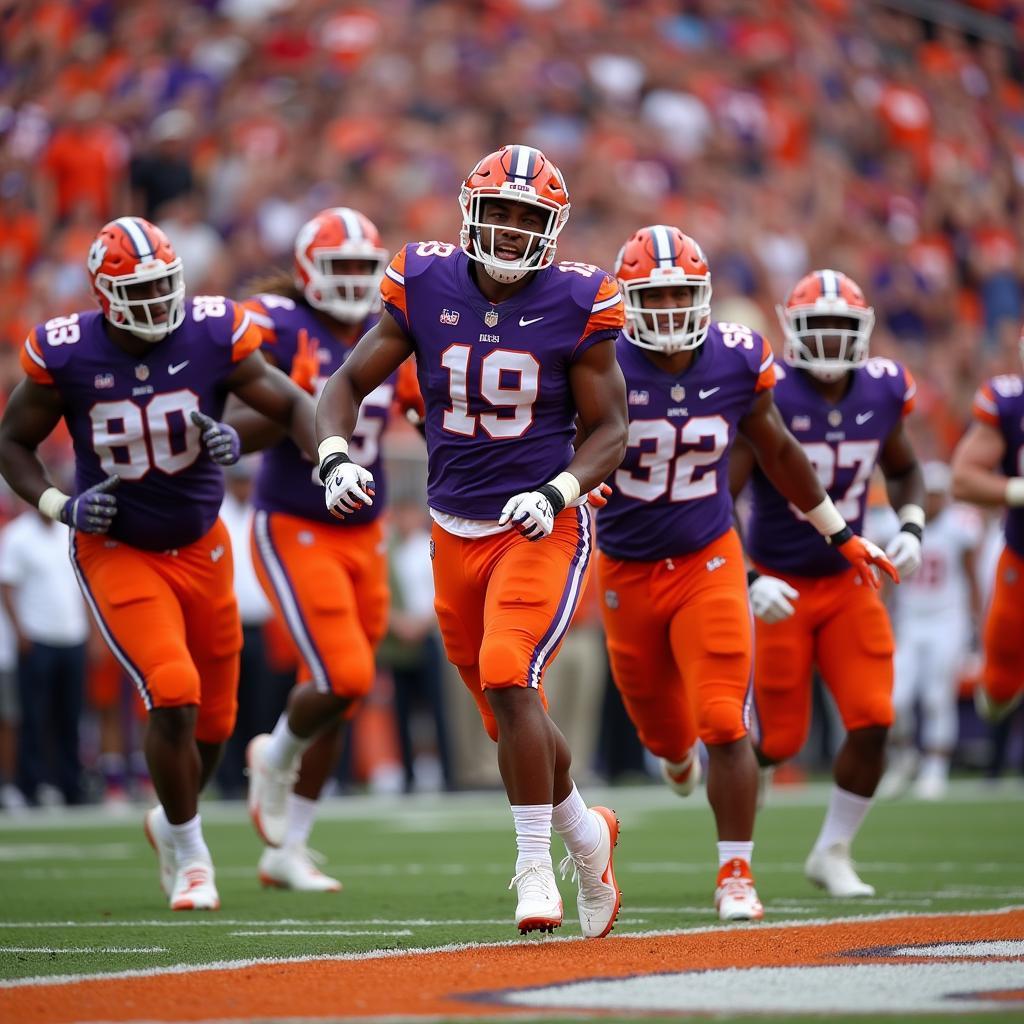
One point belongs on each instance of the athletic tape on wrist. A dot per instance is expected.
(331, 446)
(825, 518)
(1015, 491)
(52, 501)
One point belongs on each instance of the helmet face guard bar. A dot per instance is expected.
(136, 315)
(671, 329)
(812, 348)
(346, 297)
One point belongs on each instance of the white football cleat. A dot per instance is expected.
(832, 870)
(931, 786)
(684, 778)
(294, 867)
(540, 904)
(155, 826)
(268, 792)
(194, 888)
(598, 898)
(736, 898)
(994, 710)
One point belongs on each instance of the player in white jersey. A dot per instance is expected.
(933, 614)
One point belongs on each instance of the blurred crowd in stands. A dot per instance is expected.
(782, 134)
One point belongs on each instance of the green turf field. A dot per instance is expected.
(79, 891)
(425, 871)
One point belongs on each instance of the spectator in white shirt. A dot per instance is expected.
(42, 598)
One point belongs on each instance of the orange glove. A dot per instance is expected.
(305, 364)
(862, 554)
(598, 497)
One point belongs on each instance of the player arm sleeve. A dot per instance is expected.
(33, 361)
(246, 335)
(607, 317)
(392, 290)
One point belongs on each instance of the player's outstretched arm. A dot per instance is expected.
(378, 354)
(786, 465)
(266, 389)
(32, 413)
(905, 484)
(976, 477)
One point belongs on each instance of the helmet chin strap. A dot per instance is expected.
(827, 376)
(505, 276)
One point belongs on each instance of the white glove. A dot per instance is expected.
(347, 489)
(770, 598)
(531, 514)
(904, 551)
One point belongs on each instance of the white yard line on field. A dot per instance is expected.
(50, 950)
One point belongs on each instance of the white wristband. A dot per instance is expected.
(52, 501)
(568, 486)
(912, 515)
(1015, 491)
(825, 518)
(331, 446)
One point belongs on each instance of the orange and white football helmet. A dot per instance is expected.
(324, 246)
(524, 175)
(137, 279)
(816, 338)
(660, 256)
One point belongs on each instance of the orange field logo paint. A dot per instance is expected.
(962, 963)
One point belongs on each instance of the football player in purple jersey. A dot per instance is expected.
(847, 411)
(510, 348)
(142, 385)
(671, 568)
(988, 469)
(327, 580)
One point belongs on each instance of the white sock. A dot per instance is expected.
(285, 747)
(845, 813)
(301, 815)
(730, 849)
(533, 834)
(189, 845)
(934, 766)
(579, 829)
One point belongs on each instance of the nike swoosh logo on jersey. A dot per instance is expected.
(863, 417)
(523, 322)
(176, 367)
(708, 392)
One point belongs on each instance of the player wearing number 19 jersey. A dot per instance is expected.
(671, 568)
(511, 348)
(327, 580)
(847, 412)
(988, 469)
(133, 384)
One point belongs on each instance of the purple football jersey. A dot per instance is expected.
(495, 379)
(842, 442)
(130, 415)
(287, 481)
(999, 402)
(671, 496)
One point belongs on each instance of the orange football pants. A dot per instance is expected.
(678, 633)
(841, 626)
(329, 585)
(171, 620)
(1003, 674)
(504, 603)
